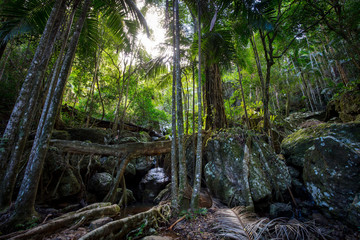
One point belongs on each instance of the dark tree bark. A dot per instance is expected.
(25, 202)
(19, 140)
(215, 110)
(33, 78)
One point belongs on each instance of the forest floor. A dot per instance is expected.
(201, 227)
(195, 227)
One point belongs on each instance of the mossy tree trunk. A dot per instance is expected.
(24, 205)
(33, 79)
(23, 114)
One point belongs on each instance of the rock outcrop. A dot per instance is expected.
(329, 157)
(241, 170)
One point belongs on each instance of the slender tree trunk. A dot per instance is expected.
(174, 150)
(101, 99)
(187, 105)
(243, 97)
(122, 163)
(193, 113)
(179, 111)
(89, 102)
(266, 98)
(257, 60)
(34, 75)
(24, 205)
(198, 168)
(8, 181)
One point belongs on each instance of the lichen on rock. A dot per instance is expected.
(330, 159)
(241, 169)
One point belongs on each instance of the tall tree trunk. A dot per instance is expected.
(89, 102)
(243, 97)
(35, 73)
(179, 111)
(198, 167)
(215, 110)
(101, 99)
(9, 178)
(24, 205)
(266, 98)
(174, 150)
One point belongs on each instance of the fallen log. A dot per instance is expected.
(120, 228)
(134, 149)
(108, 124)
(82, 216)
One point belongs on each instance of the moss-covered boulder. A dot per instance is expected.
(346, 107)
(295, 145)
(58, 179)
(349, 106)
(330, 157)
(241, 170)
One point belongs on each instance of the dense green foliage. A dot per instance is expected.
(113, 76)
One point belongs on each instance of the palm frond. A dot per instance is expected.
(21, 17)
(232, 223)
(137, 13)
(239, 224)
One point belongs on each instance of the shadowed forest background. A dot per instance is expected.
(185, 110)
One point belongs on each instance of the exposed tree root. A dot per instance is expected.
(176, 222)
(71, 219)
(120, 228)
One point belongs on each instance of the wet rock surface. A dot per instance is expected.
(152, 183)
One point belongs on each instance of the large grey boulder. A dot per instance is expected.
(330, 157)
(152, 183)
(242, 170)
